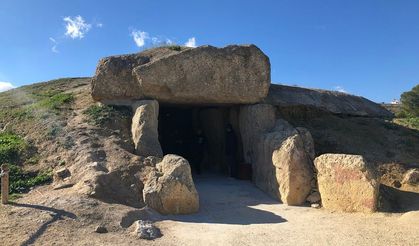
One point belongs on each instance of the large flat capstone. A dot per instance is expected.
(204, 75)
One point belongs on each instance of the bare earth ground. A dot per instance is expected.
(232, 213)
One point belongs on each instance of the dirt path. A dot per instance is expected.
(237, 213)
(232, 213)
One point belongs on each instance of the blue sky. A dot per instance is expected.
(365, 47)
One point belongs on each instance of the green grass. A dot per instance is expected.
(56, 101)
(410, 122)
(12, 148)
(21, 181)
(99, 114)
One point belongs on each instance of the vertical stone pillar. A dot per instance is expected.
(4, 184)
(144, 128)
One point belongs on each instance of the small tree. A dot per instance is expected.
(410, 102)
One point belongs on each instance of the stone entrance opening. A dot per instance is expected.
(207, 136)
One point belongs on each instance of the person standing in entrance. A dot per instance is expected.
(231, 151)
(198, 150)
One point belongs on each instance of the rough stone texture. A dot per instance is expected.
(204, 75)
(411, 177)
(62, 173)
(293, 168)
(331, 101)
(145, 128)
(281, 166)
(307, 141)
(234, 74)
(146, 230)
(170, 189)
(346, 183)
(255, 121)
(114, 81)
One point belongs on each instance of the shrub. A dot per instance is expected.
(12, 147)
(98, 114)
(21, 181)
(410, 102)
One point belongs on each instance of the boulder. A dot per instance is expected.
(293, 169)
(62, 173)
(145, 128)
(281, 166)
(330, 101)
(170, 189)
(204, 75)
(347, 183)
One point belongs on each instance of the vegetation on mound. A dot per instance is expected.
(13, 150)
(12, 147)
(102, 114)
(409, 122)
(408, 115)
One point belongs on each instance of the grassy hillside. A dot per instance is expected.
(32, 123)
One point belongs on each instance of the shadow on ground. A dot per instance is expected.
(397, 201)
(228, 201)
(56, 214)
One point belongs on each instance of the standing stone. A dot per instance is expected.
(145, 128)
(294, 172)
(346, 183)
(281, 166)
(170, 189)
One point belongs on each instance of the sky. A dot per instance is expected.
(368, 48)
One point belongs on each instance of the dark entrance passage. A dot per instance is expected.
(208, 137)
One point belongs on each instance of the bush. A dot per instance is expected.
(98, 114)
(410, 102)
(12, 147)
(21, 181)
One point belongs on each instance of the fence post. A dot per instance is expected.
(4, 184)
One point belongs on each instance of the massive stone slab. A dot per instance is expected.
(144, 128)
(347, 183)
(170, 189)
(330, 101)
(114, 82)
(204, 75)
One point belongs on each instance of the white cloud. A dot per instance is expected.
(54, 46)
(191, 42)
(340, 89)
(140, 37)
(4, 86)
(100, 25)
(76, 27)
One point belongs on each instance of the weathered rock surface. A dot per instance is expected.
(411, 177)
(204, 75)
(255, 121)
(114, 81)
(146, 230)
(170, 189)
(145, 128)
(281, 165)
(293, 168)
(331, 101)
(346, 183)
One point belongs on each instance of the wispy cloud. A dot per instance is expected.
(340, 89)
(54, 46)
(143, 38)
(191, 42)
(4, 86)
(76, 27)
(99, 24)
